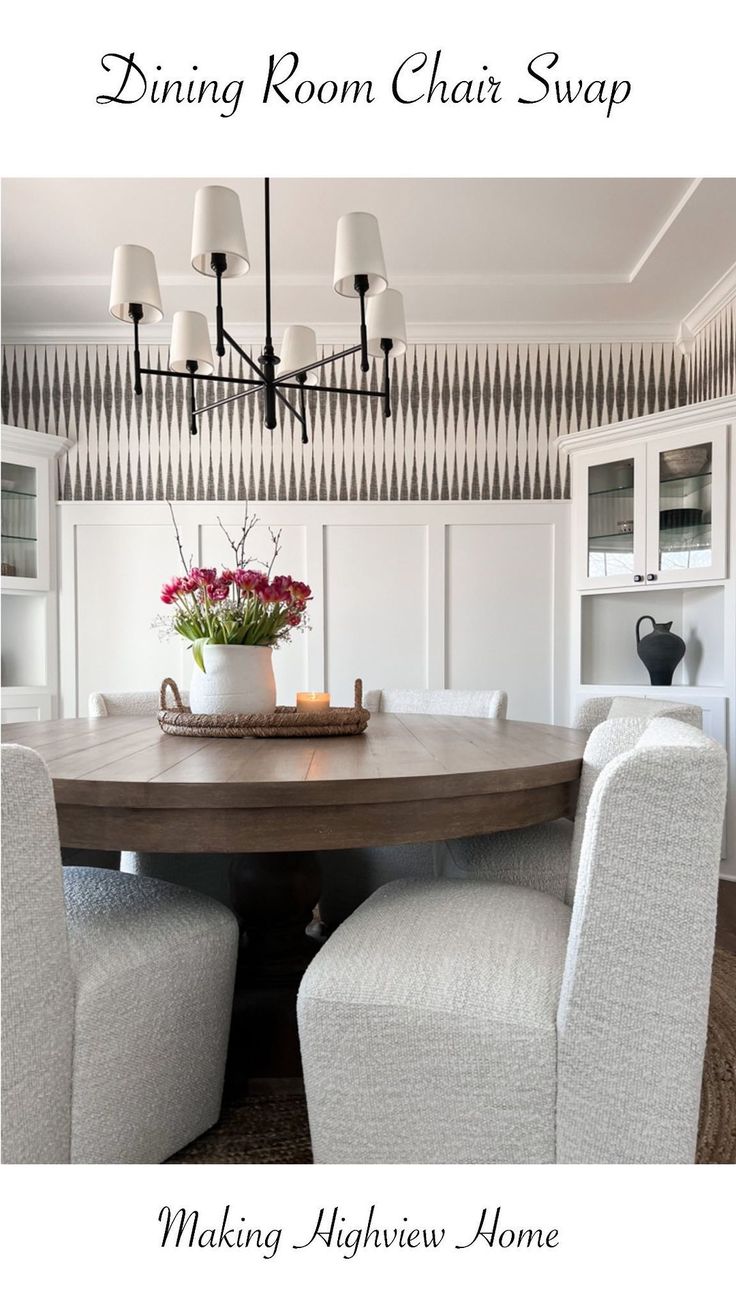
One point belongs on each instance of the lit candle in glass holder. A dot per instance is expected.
(312, 701)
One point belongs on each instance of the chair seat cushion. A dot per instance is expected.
(153, 968)
(537, 857)
(433, 1008)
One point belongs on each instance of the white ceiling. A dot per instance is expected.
(481, 258)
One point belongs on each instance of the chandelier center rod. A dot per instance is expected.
(267, 207)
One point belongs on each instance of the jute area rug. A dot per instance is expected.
(270, 1126)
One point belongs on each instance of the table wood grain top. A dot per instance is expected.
(129, 762)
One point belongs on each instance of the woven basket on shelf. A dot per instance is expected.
(284, 721)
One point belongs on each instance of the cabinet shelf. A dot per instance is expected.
(671, 539)
(18, 495)
(618, 540)
(682, 486)
(613, 492)
(32, 539)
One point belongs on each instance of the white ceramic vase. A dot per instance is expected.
(237, 679)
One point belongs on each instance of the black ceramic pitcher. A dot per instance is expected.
(660, 651)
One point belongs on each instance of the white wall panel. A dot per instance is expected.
(465, 595)
(119, 573)
(500, 588)
(376, 606)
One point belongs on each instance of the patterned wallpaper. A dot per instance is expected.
(471, 422)
(713, 360)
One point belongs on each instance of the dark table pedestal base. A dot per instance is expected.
(273, 896)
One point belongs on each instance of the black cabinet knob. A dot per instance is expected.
(651, 576)
(638, 577)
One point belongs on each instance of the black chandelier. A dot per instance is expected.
(219, 250)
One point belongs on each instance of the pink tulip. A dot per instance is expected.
(171, 589)
(246, 579)
(204, 576)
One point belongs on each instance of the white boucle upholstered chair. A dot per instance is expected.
(455, 703)
(599, 708)
(116, 997)
(350, 875)
(207, 873)
(539, 856)
(125, 703)
(474, 1022)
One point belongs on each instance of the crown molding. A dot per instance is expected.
(420, 333)
(671, 218)
(711, 303)
(16, 440)
(318, 281)
(665, 423)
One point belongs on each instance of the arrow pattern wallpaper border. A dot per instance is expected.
(471, 422)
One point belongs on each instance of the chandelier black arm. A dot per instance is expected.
(331, 390)
(301, 417)
(230, 399)
(239, 350)
(201, 376)
(320, 363)
(290, 406)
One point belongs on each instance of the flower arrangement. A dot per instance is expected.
(235, 606)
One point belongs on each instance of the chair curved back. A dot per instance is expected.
(598, 708)
(634, 1002)
(606, 741)
(125, 703)
(453, 703)
(37, 994)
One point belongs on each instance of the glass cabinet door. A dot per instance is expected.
(19, 522)
(613, 529)
(686, 509)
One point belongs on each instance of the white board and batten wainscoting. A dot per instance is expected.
(408, 595)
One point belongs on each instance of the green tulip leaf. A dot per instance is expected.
(197, 652)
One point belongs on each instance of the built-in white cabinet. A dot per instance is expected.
(654, 534)
(653, 510)
(30, 659)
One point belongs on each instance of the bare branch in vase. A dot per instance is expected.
(187, 566)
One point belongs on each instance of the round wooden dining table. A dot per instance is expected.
(272, 804)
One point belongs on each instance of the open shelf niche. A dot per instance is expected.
(24, 640)
(608, 640)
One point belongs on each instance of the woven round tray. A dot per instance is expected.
(283, 721)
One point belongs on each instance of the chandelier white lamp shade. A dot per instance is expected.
(218, 230)
(219, 250)
(386, 328)
(360, 268)
(135, 295)
(359, 253)
(190, 343)
(191, 352)
(386, 321)
(134, 289)
(298, 352)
